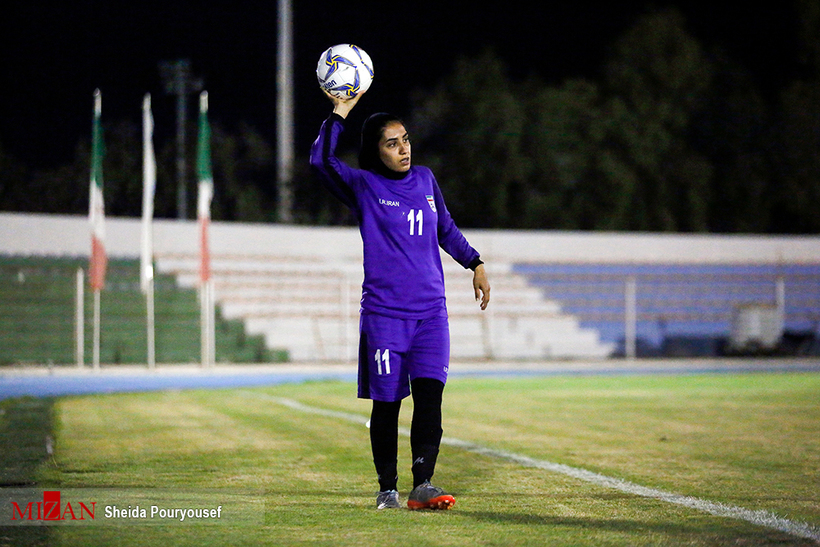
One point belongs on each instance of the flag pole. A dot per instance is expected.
(204, 198)
(284, 111)
(150, 325)
(96, 214)
(149, 176)
(96, 352)
(79, 319)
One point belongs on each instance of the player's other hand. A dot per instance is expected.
(481, 286)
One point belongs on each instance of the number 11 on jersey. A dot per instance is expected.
(415, 220)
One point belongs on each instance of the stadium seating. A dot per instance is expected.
(310, 308)
(686, 309)
(555, 294)
(37, 317)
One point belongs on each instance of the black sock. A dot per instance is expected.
(425, 431)
(384, 424)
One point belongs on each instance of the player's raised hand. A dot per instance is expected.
(343, 106)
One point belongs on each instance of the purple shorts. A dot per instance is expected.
(392, 352)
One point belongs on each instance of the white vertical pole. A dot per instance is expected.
(79, 318)
(96, 358)
(488, 320)
(211, 323)
(348, 347)
(780, 300)
(207, 320)
(342, 326)
(149, 181)
(630, 317)
(203, 323)
(284, 110)
(150, 324)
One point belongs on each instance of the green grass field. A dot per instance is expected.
(305, 478)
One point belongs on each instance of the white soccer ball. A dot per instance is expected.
(344, 71)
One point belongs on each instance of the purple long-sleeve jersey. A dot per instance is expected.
(402, 223)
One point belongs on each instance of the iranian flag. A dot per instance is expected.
(206, 187)
(96, 208)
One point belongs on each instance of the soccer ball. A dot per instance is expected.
(344, 71)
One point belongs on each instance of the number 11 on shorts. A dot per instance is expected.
(383, 361)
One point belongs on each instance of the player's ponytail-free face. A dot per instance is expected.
(394, 160)
(394, 147)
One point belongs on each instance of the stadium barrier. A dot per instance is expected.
(299, 286)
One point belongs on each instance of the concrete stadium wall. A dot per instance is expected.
(64, 235)
(320, 270)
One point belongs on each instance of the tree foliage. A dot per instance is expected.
(472, 125)
(673, 135)
(578, 156)
(797, 158)
(242, 167)
(672, 138)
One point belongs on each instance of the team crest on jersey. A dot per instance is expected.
(432, 203)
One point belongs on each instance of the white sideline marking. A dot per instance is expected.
(760, 517)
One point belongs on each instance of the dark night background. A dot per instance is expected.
(57, 53)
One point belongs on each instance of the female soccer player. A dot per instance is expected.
(404, 342)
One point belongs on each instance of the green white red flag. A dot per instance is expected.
(206, 187)
(96, 209)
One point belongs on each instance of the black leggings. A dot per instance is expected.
(425, 433)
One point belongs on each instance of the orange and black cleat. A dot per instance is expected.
(427, 496)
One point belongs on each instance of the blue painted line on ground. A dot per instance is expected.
(42, 383)
(753, 367)
(86, 384)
